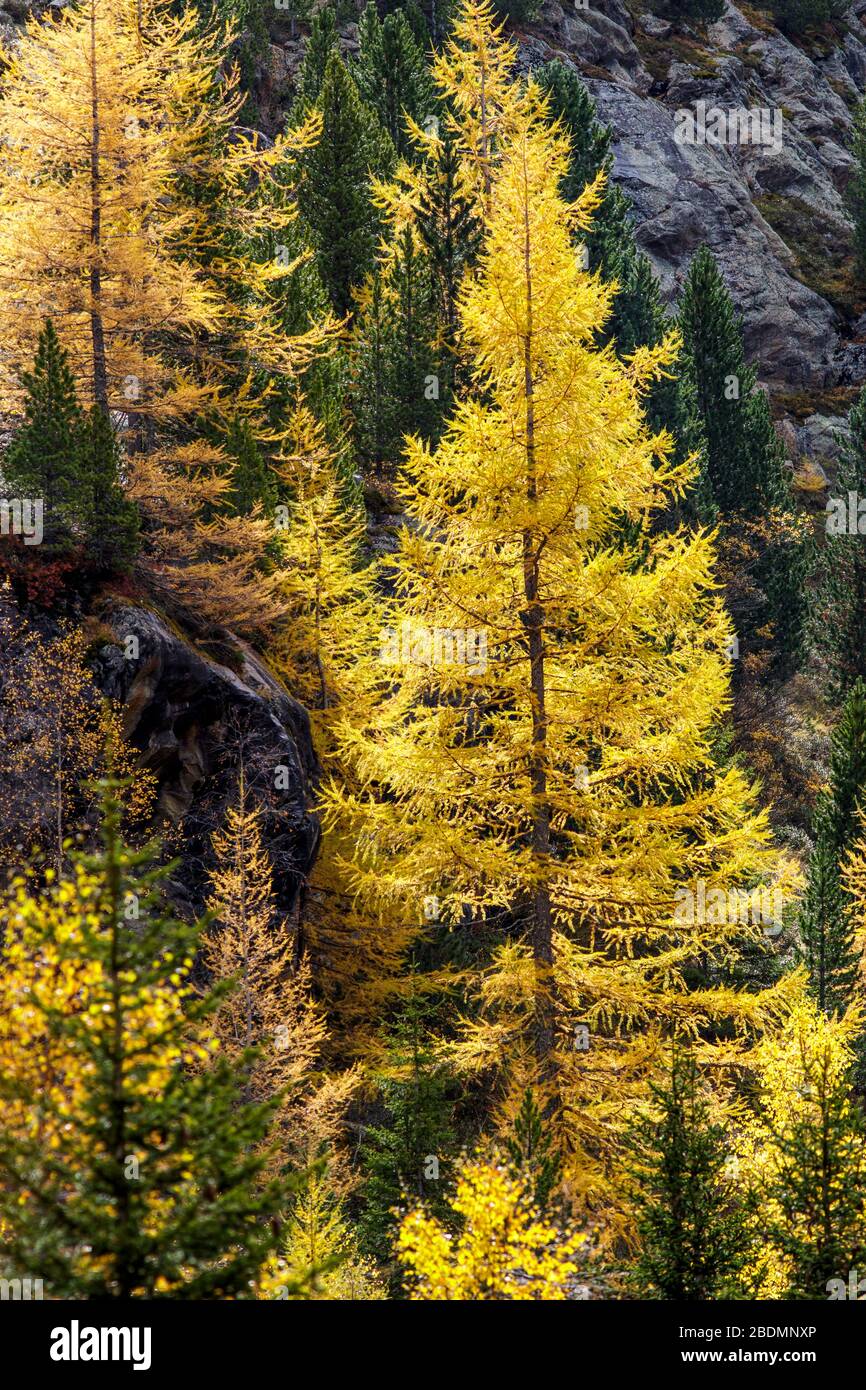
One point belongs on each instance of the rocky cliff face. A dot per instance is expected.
(194, 720)
(774, 214)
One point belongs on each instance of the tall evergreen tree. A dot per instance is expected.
(744, 461)
(304, 302)
(323, 41)
(44, 458)
(335, 192)
(251, 478)
(446, 223)
(690, 1219)
(828, 940)
(405, 1156)
(398, 386)
(109, 520)
(391, 74)
(124, 1171)
(837, 621)
(744, 455)
(637, 317)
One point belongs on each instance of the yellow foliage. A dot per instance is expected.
(503, 1249)
(319, 1258)
(475, 72)
(57, 729)
(201, 563)
(47, 968)
(803, 1068)
(271, 1007)
(544, 759)
(112, 114)
(854, 879)
(326, 650)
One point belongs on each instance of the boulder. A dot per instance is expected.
(193, 719)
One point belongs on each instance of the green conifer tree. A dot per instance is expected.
(837, 621)
(428, 19)
(690, 1219)
(744, 455)
(827, 946)
(108, 519)
(827, 935)
(745, 458)
(532, 1151)
(138, 1175)
(323, 41)
(638, 318)
(449, 228)
(335, 191)
(298, 12)
(406, 1156)
(304, 303)
(252, 479)
(44, 458)
(398, 376)
(391, 74)
(71, 460)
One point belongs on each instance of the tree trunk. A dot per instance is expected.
(533, 619)
(97, 329)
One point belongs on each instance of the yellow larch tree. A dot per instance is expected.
(503, 1247)
(544, 765)
(199, 560)
(440, 194)
(474, 73)
(139, 218)
(319, 1258)
(113, 115)
(271, 1008)
(56, 723)
(854, 880)
(326, 650)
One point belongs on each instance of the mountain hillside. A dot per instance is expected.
(432, 659)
